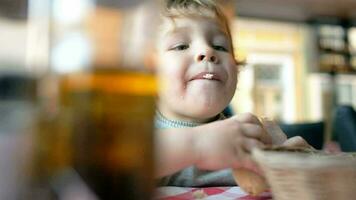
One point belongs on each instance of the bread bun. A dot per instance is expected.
(250, 181)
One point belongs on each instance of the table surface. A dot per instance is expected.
(208, 193)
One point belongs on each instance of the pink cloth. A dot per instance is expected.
(208, 193)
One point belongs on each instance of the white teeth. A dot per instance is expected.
(208, 76)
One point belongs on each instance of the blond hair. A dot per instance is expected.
(190, 8)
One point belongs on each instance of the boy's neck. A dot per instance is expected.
(176, 117)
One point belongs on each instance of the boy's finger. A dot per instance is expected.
(296, 141)
(250, 144)
(274, 131)
(256, 132)
(247, 118)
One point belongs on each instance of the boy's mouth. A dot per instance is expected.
(206, 76)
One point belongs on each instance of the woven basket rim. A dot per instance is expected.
(303, 160)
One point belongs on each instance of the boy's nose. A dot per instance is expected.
(206, 56)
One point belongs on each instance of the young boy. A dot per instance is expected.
(197, 72)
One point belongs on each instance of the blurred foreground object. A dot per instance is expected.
(103, 130)
(308, 174)
(94, 137)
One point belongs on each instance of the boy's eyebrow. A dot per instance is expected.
(175, 31)
(182, 30)
(221, 33)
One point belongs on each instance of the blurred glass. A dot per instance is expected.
(94, 127)
(103, 131)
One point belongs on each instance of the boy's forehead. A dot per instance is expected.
(181, 25)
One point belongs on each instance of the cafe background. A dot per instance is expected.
(300, 57)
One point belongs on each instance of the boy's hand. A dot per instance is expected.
(228, 143)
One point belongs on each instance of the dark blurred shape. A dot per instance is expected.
(14, 9)
(17, 87)
(344, 127)
(228, 111)
(313, 133)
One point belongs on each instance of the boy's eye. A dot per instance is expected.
(180, 47)
(219, 48)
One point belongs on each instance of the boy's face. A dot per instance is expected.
(196, 69)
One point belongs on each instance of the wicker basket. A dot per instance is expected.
(308, 175)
